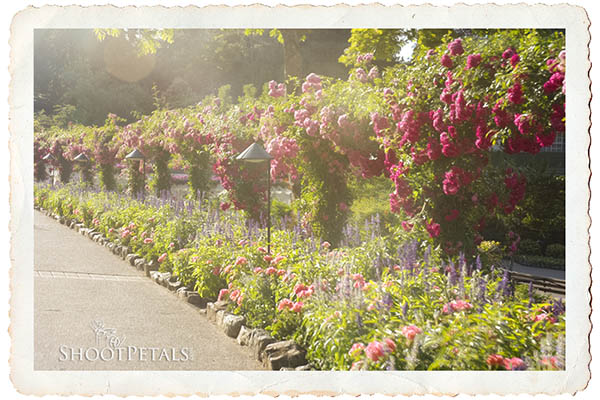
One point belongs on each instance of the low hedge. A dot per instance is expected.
(540, 261)
(555, 251)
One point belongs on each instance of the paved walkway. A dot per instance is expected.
(545, 272)
(93, 311)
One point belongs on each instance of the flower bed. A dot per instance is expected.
(379, 303)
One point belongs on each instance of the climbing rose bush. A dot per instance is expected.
(433, 126)
(448, 112)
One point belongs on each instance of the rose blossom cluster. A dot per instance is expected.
(410, 331)
(303, 291)
(364, 77)
(510, 364)
(284, 150)
(287, 304)
(375, 350)
(516, 185)
(557, 80)
(277, 89)
(456, 305)
(312, 83)
(364, 58)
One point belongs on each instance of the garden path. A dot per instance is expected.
(544, 272)
(79, 284)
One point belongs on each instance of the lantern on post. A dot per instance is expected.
(255, 153)
(137, 155)
(49, 158)
(82, 160)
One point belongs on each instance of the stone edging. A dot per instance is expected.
(274, 355)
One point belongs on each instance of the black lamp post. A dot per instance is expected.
(82, 160)
(255, 153)
(137, 155)
(49, 158)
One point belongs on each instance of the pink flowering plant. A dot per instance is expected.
(444, 117)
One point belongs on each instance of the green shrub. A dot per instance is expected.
(371, 199)
(280, 210)
(540, 261)
(555, 250)
(541, 214)
(490, 252)
(528, 246)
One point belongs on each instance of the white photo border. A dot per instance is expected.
(576, 375)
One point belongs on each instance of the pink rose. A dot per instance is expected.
(495, 360)
(389, 343)
(234, 295)
(285, 304)
(455, 47)
(277, 259)
(433, 229)
(222, 294)
(473, 60)
(356, 348)
(515, 94)
(297, 307)
(241, 261)
(446, 61)
(411, 331)
(375, 350)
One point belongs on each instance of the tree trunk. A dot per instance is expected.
(293, 61)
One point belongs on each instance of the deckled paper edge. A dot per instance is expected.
(26, 380)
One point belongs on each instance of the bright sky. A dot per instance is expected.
(407, 50)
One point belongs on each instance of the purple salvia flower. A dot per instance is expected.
(378, 266)
(462, 262)
(427, 256)
(452, 275)
(478, 263)
(388, 300)
(558, 307)
(359, 320)
(461, 284)
(505, 284)
(482, 285)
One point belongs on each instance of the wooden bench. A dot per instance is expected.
(541, 283)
